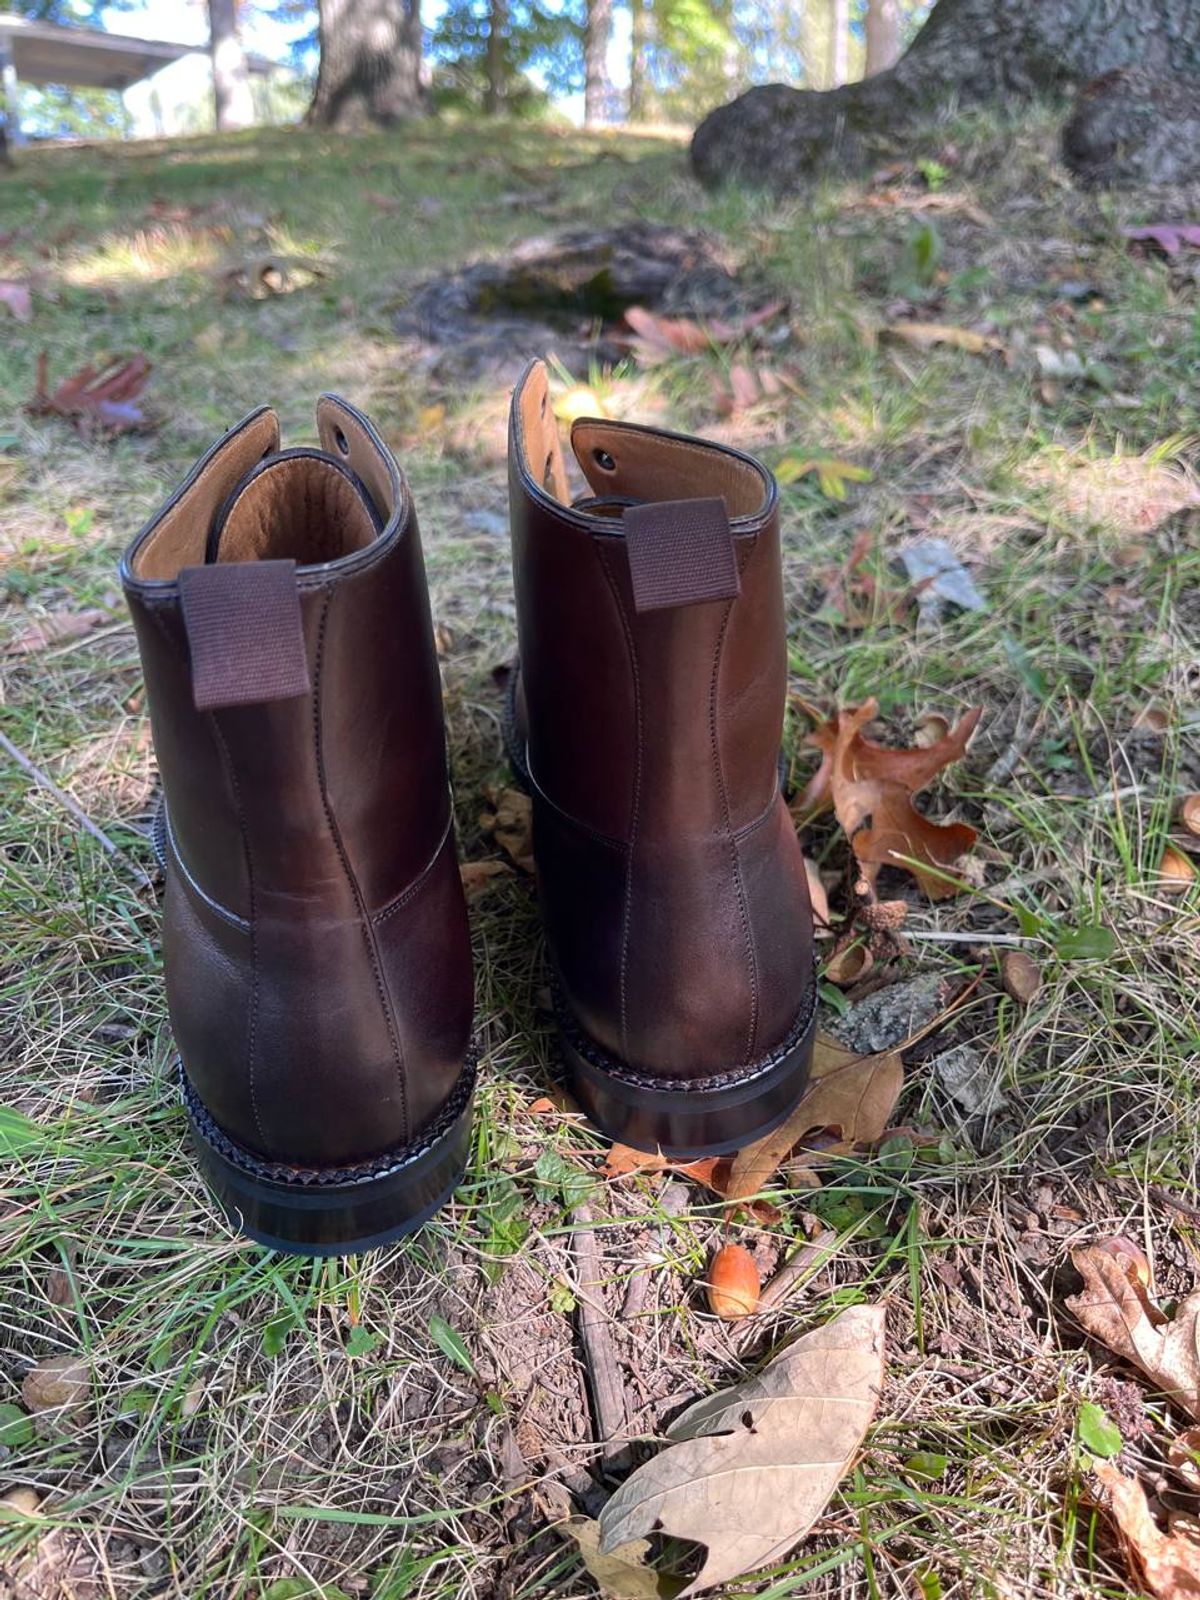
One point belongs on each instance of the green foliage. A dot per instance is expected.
(534, 39)
(1098, 1433)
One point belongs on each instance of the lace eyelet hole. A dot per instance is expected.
(604, 461)
(340, 439)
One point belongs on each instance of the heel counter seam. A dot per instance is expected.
(252, 1024)
(731, 839)
(601, 553)
(364, 918)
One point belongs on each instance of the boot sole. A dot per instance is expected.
(334, 1211)
(680, 1118)
(685, 1120)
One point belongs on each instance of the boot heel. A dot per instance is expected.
(686, 1119)
(331, 1211)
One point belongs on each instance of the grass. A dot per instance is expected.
(257, 1427)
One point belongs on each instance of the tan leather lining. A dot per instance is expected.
(179, 538)
(619, 460)
(342, 434)
(655, 466)
(537, 435)
(297, 509)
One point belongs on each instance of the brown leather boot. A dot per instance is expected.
(646, 721)
(318, 965)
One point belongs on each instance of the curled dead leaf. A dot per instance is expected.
(870, 788)
(817, 896)
(54, 628)
(1115, 1308)
(1167, 1563)
(852, 1096)
(510, 824)
(479, 876)
(97, 399)
(925, 335)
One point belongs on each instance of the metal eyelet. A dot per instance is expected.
(604, 461)
(340, 439)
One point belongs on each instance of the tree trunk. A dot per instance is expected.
(595, 62)
(839, 42)
(231, 77)
(493, 96)
(639, 32)
(969, 51)
(883, 35)
(370, 66)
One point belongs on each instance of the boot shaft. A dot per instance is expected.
(317, 959)
(653, 680)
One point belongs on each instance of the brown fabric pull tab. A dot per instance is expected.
(244, 631)
(680, 553)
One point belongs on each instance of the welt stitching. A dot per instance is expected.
(419, 882)
(252, 1032)
(335, 833)
(751, 953)
(635, 810)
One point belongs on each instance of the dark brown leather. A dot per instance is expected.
(318, 964)
(673, 887)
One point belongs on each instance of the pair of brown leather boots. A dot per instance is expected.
(317, 952)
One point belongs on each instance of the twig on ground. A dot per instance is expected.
(611, 1413)
(44, 781)
(797, 1267)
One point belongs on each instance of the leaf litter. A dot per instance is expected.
(747, 1471)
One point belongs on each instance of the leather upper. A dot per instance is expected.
(317, 954)
(673, 886)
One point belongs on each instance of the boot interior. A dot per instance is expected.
(626, 465)
(248, 501)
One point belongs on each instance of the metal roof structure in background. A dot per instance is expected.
(84, 58)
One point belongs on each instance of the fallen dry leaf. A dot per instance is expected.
(1169, 237)
(853, 1094)
(1183, 1457)
(711, 1172)
(479, 876)
(97, 399)
(53, 628)
(925, 335)
(749, 1470)
(818, 899)
(660, 337)
(870, 788)
(1168, 1563)
(624, 1573)
(857, 595)
(510, 824)
(1115, 1307)
(16, 296)
(263, 277)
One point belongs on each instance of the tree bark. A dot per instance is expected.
(883, 35)
(595, 62)
(493, 95)
(370, 65)
(839, 42)
(232, 99)
(968, 52)
(639, 32)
